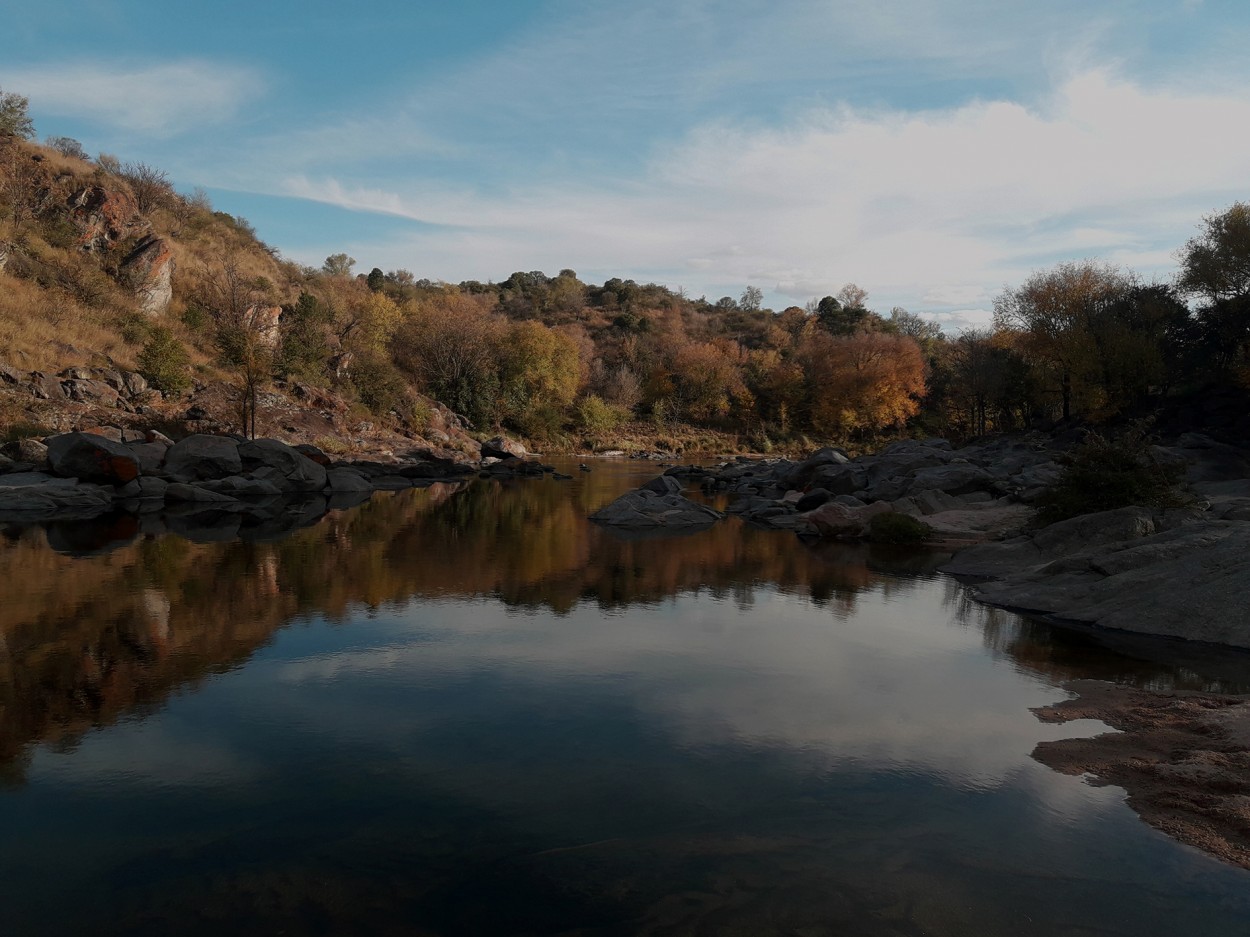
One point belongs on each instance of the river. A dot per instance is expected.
(466, 710)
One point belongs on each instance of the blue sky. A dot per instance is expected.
(931, 151)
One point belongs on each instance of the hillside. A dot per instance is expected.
(123, 300)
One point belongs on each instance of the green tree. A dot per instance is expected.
(1216, 263)
(163, 362)
(376, 279)
(14, 117)
(338, 265)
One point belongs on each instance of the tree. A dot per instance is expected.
(1057, 313)
(1216, 263)
(67, 146)
(338, 265)
(752, 299)
(151, 186)
(860, 382)
(376, 279)
(14, 117)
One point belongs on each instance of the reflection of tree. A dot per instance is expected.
(86, 640)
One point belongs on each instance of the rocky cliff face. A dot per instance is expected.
(150, 270)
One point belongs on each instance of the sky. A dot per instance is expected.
(934, 152)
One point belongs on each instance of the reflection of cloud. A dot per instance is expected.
(146, 755)
(893, 685)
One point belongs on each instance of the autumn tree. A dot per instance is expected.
(449, 344)
(1056, 313)
(151, 186)
(539, 370)
(862, 382)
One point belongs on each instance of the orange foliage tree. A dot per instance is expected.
(860, 382)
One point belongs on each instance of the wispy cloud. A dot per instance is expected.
(932, 206)
(156, 100)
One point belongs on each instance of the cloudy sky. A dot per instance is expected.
(931, 151)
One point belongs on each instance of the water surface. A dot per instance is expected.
(469, 711)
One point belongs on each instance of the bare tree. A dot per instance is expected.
(150, 185)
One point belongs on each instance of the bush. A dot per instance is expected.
(1103, 474)
(163, 361)
(379, 385)
(595, 415)
(892, 527)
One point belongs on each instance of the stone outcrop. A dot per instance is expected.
(104, 217)
(150, 269)
(264, 322)
(1178, 573)
(91, 458)
(657, 505)
(203, 456)
(501, 447)
(282, 465)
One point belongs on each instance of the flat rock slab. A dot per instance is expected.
(644, 509)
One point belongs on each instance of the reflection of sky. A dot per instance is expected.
(886, 747)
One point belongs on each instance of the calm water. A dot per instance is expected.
(469, 711)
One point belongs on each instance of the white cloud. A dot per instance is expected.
(157, 100)
(928, 207)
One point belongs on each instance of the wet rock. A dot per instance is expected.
(46, 501)
(180, 492)
(237, 486)
(840, 521)
(91, 458)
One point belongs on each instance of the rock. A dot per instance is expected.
(812, 500)
(47, 501)
(295, 470)
(343, 480)
(28, 451)
(236, 486)
(313, 453)
(263, 322)
(91, 458)
(104, 216)
(647, 509)
(180, 492)
(149, 269)
(45, 386)
(500, 447)
(840, 521)
(8, 375)
(663, 485)
(25, 479)
(202, 456)
(955, 478)
(144, 488)
(151, 455)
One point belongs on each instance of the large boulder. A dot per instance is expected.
(501, 447)
(289, 468)
(644, 509)
(343, 479)
(956, 478)
(28, 451)
(91, 458)
(840, 521)
(150, 268)
(203, 456)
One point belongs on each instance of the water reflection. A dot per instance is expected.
(471, 711)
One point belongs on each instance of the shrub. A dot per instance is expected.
(163, 361)
(380, 386)
(893, 527)
(1103, 474)
(595, 415)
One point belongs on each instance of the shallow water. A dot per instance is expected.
(469, 711)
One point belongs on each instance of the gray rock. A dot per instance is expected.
(663, 485)
(91, 458)
(647, 509)
(151, 455)
(180, 492)
(48, 501)
(500, 447)
(343, 480)
(202, 456)
(237, 486)
(294, 470)
(956, 478)
(26, 479)
(144, 488)
(30, 451)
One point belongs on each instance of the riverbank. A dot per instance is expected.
(1183, 759)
